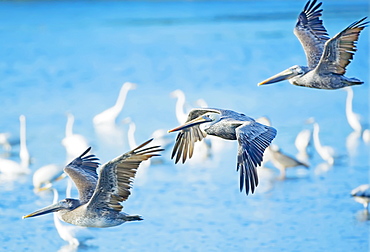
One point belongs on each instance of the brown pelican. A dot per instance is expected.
(362, 195)
(99, 198)
(253, 139)
(327, 58)
(141, 175)
(204, 149)
(66, 232)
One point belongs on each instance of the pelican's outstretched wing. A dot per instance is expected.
(82, 171)
(311, 32)
(117, 175)
(186, 138)
(340, 49)
(253, 139)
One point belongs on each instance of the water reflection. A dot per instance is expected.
(363, 215)
(322, 168)
(352, 143)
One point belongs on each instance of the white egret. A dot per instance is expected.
(303, 142)
(110, 135)
(73, 143)
(354, 120)
(327, 153)
(66, 232)
(181, 113)
(366, 135)
(11, 167)
(109, 116)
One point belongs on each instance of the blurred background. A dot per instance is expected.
(61, 58)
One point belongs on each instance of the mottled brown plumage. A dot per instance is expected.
(253, 138)
(99, 197)
(327, 59)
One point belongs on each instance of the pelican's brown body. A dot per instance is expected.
(327, 59)
(99, 197)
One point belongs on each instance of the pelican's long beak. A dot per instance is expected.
(49, 209)
(284, 75)
(196, 121)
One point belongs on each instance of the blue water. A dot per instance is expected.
(59, 57)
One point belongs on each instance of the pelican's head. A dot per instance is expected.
(209, 117)
(285, 75)
(66, 204)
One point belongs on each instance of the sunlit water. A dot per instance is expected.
(74, 57)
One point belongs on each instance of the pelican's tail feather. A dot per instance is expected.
(133, 218)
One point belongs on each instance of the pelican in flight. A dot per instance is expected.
(67, 233)
(327, 58)
(253, 139)
(203, 150)
(361, 194)
(99, 197)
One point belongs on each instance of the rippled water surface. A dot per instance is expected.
(73, 57)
